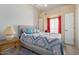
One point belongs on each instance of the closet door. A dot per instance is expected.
(69, 28)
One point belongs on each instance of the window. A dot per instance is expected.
(54, 25)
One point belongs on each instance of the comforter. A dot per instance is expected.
(47, 43)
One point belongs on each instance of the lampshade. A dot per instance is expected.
(9, 30)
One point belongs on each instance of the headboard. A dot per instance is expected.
(21, 27)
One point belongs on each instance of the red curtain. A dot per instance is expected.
(59, 24)
(48, 24)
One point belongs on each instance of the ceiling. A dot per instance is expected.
(45, 7)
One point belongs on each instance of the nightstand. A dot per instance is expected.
(6, 44)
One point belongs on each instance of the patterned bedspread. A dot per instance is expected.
(50, 42)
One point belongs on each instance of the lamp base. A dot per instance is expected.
(9, 37)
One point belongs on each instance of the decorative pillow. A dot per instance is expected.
(35, 30)
(28, 31)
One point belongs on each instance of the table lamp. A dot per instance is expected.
(9, 32)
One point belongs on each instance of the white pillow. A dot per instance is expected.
(36, 30)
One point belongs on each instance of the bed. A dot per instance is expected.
(41, 42)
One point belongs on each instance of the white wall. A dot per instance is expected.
(77, 24)
(18, 14)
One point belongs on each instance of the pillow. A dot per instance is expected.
(35, 30)
(28, 31)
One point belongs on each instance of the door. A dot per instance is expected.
(69, 28)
